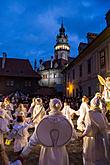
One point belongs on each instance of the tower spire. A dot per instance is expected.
(62, 29)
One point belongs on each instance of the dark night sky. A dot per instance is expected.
(28, 28)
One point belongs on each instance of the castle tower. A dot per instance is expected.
(62, 48)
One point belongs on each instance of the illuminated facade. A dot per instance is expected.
(93, 59)
(51, 71)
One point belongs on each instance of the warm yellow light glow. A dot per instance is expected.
(70, 88)
(62, 47)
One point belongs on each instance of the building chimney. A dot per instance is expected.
(107, 17)
(82, 46)
(91, 37)
(4, 60)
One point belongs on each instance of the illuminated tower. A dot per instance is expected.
(62, 48)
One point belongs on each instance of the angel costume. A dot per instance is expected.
(21, 136)
(84, 108)
(3, 124)
(68, 112)
(56, 155)
(95, 141)
(40, 111)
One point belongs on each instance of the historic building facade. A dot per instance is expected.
(93, 59)
(51, 71)
(17, 75)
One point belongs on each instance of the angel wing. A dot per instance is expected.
(101, 80)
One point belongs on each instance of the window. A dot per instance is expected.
(77, 92)
(27, 84)
(89, 65)
(68, 78)
(102, 58)
(73, 74)
(10, 83)
(80, 91)
(80, 70)
(44, 76)
(55, 75)
(89, 91)
(73, 93)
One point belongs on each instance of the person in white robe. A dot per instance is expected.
(4, 118)
(95, 137)
(68, 112)
(49, 155)
(30, 111)
(38, 110)
(21, 134)
(84, 108)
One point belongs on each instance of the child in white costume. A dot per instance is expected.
(50, 155)
(68, 112)
(21, 134)
(84, 108)
(3, 123)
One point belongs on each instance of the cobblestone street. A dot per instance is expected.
(74, 149)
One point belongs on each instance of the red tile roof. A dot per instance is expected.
(17, 67)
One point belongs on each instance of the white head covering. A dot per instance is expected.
(38, 100)
(55, 104)
(95, 103)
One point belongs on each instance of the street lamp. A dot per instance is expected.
(67, 91)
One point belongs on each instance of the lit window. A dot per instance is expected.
(55, 75)
(44, 76)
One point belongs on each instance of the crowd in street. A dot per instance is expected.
(52, 122)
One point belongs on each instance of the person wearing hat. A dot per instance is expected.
(95, 137)
(53, 132)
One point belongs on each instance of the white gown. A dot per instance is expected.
(95, 141)
(48, 155)
(84, 108)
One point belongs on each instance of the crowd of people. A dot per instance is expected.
(52, 122)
